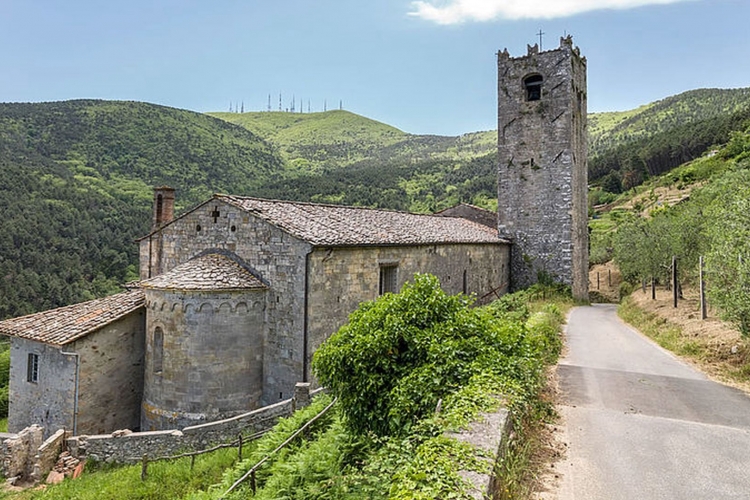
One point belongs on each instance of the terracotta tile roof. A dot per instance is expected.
(65, 324)
(212, 271)
(334, 225)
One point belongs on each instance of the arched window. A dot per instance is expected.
(533, 86)
(158, 350)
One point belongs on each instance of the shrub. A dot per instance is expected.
(399, 355)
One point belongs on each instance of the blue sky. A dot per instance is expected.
(424, 67)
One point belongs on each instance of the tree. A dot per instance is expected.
(728, 261)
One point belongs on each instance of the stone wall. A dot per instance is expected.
(542, 171)
(18, 452)
(127, 447)
(279, 258)
(47, 454)
(342, 278)
(49, 402)
(490, 436)
(212, 356)
(110, 376)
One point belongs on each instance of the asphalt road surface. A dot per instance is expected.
(640, 424)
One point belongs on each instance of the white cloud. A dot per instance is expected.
(458, 11)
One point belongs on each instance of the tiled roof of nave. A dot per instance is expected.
(65, 324)
(212, 271)
(333, 225)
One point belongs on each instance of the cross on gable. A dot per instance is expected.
(215, 214)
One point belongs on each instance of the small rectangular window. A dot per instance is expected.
(32, 368)
(388, 282)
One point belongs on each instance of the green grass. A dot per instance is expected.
(666, 334)
(167, 480)
(670, 336)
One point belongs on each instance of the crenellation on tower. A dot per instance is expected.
(542, 170)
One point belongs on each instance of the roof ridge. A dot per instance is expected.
(317, 204)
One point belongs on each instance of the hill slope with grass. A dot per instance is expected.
(315, 143)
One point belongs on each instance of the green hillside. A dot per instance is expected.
(313, 143)
(628, 147)
(77, 181)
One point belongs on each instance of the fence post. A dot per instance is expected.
(597, 280)
(653, 288)
(609, 278)
(704, 312)
(302, 394)
(252, 480)
(192, 462)
(144, 467)
(675, 288)
(239, 448)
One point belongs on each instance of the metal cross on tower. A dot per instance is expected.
(540, 35)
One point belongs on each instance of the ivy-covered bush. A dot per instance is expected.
(401, 354)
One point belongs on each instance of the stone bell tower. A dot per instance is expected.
(542, 170)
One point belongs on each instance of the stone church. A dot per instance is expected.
(237, 293)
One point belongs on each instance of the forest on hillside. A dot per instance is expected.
(628, 148)
(77, 189)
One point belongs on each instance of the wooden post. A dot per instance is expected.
(675, 287)
(609, 278)
(597, 280)
(192, 462)
(704, 312)
(144, 467)
(239, 448)
(653, 288)
(252, 480)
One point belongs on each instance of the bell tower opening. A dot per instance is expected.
(533, 86)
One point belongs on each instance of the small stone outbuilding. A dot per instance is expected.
(78, 368)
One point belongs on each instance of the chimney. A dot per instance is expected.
(163, 206)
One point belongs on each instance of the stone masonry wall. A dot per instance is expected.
(111, 376)
(127, 447)
(279, 258)
(50, 402)
(542, 171)
(342, 278)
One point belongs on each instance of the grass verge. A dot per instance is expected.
(727, 363)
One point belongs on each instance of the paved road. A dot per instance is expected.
(640, 424)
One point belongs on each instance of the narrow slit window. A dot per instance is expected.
(388, 279)
(159, 209)
(533, 85)
(158, 349)
(32, 368)
(465, 283)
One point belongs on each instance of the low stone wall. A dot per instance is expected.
(47, 455)
(490, 434)
(19, 451)
(129, 447)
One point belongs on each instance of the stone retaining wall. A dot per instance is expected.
(129, 447)
(490, 434)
